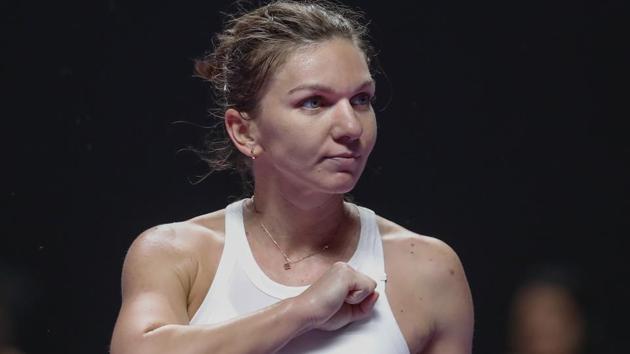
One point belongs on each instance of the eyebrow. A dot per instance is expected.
(328, 89)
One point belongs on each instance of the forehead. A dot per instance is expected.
(546, 296)
(336, 63)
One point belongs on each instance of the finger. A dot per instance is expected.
(364, 309)
(356, 296)
(361, 289)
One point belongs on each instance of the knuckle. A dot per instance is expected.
(340, 264)
(343, 272)
(342, 267)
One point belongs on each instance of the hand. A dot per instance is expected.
(341, 296)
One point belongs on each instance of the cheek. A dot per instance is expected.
(370, 132)
(292, 143)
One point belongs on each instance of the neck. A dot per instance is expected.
(299, 224)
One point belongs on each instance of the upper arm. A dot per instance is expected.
(431, 280)
(453, 306)
(157, 276)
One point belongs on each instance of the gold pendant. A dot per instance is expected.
(287, 266)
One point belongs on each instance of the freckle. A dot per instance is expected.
(401, 311)
(413, 244)
(430, 259)
(451, 271)
(420, 298)
(411, 252)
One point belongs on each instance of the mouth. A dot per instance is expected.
(344, 161)
(345, 156)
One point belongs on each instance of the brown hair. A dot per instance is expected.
(251, 47)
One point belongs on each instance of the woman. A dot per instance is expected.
(548, 315)
(294, 268)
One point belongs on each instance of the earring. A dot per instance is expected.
(252, 153)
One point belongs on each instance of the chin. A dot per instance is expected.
(341, 183)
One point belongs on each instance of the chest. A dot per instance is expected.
(408, 308)
(374, 335)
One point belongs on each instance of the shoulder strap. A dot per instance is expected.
(372, 258)
(224, 269)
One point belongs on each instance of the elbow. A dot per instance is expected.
(166, 339)
(137, 345)
(127, 345)
(143, 342)
(163, 339)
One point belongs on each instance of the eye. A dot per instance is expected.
(362, 99)
(312, 102)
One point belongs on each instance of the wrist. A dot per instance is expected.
(297, 310)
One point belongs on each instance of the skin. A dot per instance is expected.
(547, 320)
(311, 139)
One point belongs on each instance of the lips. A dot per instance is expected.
(344, 160)
(345, 155)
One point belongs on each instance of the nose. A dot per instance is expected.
(346, 124)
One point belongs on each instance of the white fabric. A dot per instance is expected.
(241, 287)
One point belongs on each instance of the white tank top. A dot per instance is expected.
(240, 287)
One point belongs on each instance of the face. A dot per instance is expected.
(315, 124)
(548, 321)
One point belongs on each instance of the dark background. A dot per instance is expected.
(503, 136)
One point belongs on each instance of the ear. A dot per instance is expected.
(242, 131)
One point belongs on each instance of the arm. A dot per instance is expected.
(158, 274)
(453, 306)
(157, 277)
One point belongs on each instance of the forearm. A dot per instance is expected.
(265, 331)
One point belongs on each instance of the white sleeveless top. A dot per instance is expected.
(240, 287)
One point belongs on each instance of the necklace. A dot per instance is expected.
(288, 261)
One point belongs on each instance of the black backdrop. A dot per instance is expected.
(500, 132)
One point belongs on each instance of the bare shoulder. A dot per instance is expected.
(183, 250)
(165, 273)
(427, 281)
(429, 255)
(202, 233)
